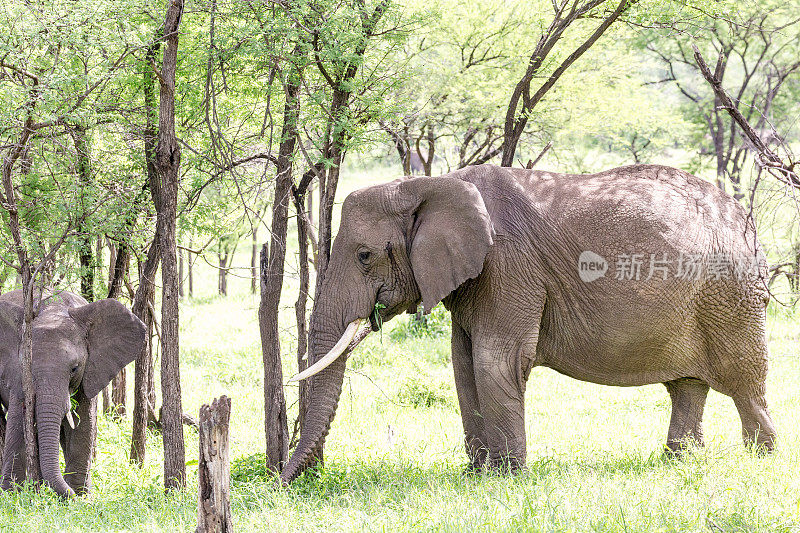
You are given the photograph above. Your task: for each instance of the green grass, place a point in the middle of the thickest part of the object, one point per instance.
(394, 457)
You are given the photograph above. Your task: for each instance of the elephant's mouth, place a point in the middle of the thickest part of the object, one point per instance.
(382, 314)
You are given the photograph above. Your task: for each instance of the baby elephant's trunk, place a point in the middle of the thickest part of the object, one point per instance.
(48, 422)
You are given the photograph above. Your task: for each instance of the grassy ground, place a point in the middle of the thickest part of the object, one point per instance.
(394, 456)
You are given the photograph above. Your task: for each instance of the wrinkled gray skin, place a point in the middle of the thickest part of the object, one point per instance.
(77, 349)
(500, 248)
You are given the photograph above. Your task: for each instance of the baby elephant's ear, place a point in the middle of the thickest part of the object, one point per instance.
(115, 337)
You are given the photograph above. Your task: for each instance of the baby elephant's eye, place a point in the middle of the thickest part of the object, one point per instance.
(364, 256)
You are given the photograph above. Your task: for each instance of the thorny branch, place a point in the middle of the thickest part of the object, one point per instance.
(781, 170)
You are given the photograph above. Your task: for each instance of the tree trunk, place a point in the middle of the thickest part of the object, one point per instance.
(190, 264)
(254, 261)
(180, 274)
(168, 158)
(300, 306)
(32, 468)
(272, 266)
(143, 369)
(121, 260)
(112, 262)
(106, 400)
(794, 278)
(85, 256)
(222, 281)
(334, 153)
(9, 203)
(145, 292)
(213, 470)
(119, 390)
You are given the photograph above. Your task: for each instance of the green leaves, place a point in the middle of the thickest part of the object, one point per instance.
(377, 316)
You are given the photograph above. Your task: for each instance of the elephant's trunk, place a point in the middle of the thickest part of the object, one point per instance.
(49, 415)
(324, 392)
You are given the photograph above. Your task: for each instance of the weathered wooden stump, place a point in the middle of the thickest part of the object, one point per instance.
(214, 475)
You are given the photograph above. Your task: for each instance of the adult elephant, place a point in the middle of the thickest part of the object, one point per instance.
(638, 275)
(77, 348)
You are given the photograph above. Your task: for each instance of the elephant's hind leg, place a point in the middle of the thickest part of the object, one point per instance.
(757, 427)
(688, 397)
(737, 351)
(474, 436)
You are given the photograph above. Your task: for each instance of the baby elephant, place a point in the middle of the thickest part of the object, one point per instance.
(78, 347)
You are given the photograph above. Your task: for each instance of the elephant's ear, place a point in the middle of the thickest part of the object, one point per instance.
(115, 336)
(449, 232)
(11, 316)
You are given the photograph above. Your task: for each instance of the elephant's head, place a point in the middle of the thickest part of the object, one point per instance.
(73, 347)
(407, 241)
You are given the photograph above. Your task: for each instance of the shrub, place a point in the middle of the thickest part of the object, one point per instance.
(420, 393)
(436, 324)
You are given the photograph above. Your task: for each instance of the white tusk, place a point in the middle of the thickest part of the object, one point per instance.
(305, 357)
(331, 356)
(70, 421)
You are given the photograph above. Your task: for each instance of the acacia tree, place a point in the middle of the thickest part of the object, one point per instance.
(46, 196)
(455, 68)
(756, 52)
(165, 198)
(525, 97)
(315, 54)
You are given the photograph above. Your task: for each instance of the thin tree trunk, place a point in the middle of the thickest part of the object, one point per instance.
(119, 390)
(272, 267)
(27, 278)
(300, 305)
(143, 367)
(180, 273)
(254, 261)
(85, 255)
(112, 262)
(122, 254)
(32, 470)
(145, 292)
(334, 146)
(168, 158)
(190, 263)
(106, 400)
(119, 383)
(222, 273)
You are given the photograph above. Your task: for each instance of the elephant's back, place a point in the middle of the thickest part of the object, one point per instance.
(649, 200)
(49, 297)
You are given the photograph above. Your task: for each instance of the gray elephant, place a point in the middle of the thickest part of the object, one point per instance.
(638, 275)
(77, 348)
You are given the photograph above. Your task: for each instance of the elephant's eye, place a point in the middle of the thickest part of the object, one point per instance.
(74, 370)
(364, 256)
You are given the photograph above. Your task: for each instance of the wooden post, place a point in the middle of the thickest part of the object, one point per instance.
(214, 476)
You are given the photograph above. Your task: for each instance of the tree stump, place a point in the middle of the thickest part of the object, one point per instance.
(214, 476)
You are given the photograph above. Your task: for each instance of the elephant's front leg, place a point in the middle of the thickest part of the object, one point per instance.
(501, 394)
(474, 436)
(78, 444)
(14, 448)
